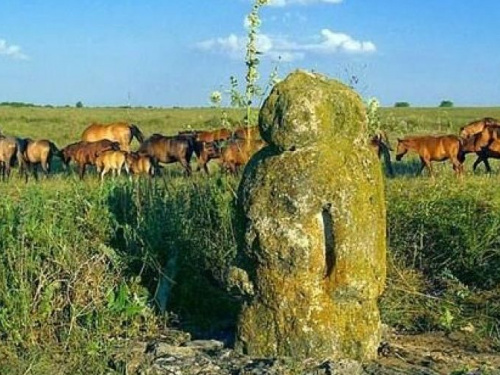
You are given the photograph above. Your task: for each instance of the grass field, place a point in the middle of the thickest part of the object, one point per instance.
(82, 262)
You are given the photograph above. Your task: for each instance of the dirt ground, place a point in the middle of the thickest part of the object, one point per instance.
(439, 353)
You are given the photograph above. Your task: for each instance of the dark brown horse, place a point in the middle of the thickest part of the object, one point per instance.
(120, 132)
(433, 148)
(380, 143)
(39, 153)
(478, 126)
(167, 150)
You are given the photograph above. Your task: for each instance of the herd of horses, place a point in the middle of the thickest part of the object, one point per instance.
(107, 147)
(480, 137)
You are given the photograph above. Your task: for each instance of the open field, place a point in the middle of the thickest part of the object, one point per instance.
(82, 263)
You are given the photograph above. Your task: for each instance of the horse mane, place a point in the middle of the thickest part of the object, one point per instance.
(136, 132)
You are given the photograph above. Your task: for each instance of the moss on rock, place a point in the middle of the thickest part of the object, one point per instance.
(312, 213)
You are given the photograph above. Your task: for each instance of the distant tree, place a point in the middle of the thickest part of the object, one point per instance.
(446, 104)
(79, 104)
(401, 104)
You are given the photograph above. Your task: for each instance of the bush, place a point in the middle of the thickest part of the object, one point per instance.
(446, 104)
(401, 104)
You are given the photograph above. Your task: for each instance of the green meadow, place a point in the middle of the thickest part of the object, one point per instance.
(86, 265)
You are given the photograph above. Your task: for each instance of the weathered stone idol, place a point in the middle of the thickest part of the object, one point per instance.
(312, 227)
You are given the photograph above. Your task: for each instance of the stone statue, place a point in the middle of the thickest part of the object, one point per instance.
(312, 227)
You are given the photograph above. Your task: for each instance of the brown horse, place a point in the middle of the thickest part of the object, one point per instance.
(169, 150)
(485, 144)
(478, 126)
(120, 132)
(140, 164)
(238, 152)
(87, 152)
(9, 151)
(244, 132)
(68, 152)
(433, 148)
(39, 153)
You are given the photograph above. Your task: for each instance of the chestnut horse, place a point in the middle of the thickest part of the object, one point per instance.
(433, 148)
(238, 152)
(86, 153)
(477, 126)
(120, 132)
(140, 163)
(213, 135)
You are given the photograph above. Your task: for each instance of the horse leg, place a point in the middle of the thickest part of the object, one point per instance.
(426, 163)
(422, 166)
(35, 171)
(457, 166)
(45, 167)
(487, 165)
(187, 167)
(477, 162)
(81, 170)
(7, 170)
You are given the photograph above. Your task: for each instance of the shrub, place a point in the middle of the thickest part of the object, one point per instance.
(401, 104)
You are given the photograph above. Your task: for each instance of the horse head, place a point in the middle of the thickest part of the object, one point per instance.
(401, 149)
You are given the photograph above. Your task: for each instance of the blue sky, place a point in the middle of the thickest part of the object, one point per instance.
(175, 53)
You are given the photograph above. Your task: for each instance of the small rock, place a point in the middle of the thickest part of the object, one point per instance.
(163, 349)
(205, 345)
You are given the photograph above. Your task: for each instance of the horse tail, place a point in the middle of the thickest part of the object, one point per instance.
(136, 132)
(384, 151)
(55, 151)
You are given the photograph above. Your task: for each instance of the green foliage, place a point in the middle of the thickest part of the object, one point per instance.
(16, 104)
(61, 283)
(401, 104)
(446, 104)
(444, 262)
(79, 104)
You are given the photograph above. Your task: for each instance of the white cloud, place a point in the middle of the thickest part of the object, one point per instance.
(333, 42)
(281, 47)
(282, 3)
(12, 51)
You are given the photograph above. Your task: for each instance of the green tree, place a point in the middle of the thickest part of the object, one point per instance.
(79, 104)
(401, 104)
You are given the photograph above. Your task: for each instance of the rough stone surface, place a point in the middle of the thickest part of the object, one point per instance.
(312, 227)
